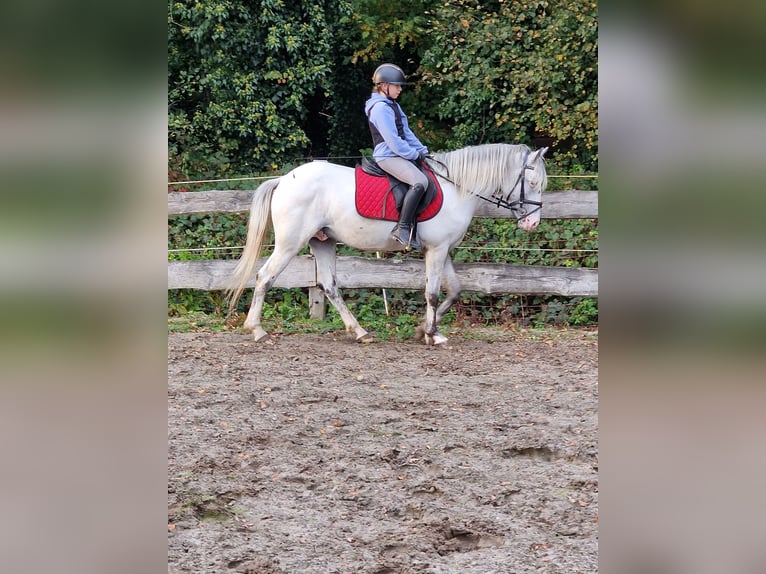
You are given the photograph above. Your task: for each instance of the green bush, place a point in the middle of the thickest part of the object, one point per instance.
(242, 77)
(206, 236)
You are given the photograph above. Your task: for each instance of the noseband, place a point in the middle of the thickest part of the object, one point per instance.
(518, 207)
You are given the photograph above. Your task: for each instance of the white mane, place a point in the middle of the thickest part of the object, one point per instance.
(488, 170)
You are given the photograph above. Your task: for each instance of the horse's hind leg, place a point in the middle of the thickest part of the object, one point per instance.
(324, 254)
(264, 279)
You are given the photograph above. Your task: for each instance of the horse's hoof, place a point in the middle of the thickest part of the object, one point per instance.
(259, 334)
(364, 337)
(435, 339)
(439, 339)
(420, 333)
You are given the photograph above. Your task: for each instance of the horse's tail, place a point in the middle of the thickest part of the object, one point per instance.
(260, 217)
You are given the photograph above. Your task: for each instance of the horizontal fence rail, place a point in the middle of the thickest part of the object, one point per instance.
(361, 272)
(556, 204)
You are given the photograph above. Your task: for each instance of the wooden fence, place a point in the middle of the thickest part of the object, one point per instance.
(360, 272)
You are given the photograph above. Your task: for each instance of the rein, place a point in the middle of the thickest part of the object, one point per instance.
(444, 175)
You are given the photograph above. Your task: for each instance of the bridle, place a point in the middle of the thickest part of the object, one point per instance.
(517, 207)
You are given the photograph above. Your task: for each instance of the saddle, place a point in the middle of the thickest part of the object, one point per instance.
(380, 195)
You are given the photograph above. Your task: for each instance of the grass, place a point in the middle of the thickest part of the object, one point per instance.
(384, 328)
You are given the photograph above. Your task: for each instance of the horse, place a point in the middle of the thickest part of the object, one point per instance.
(314, 204)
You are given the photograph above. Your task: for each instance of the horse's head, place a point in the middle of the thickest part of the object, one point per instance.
(533, 180)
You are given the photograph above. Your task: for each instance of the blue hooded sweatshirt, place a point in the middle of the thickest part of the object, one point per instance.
(381, 115)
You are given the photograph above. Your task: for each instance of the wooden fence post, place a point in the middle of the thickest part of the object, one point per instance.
(317, 303)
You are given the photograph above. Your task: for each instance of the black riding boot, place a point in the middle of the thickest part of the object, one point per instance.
(403, 231)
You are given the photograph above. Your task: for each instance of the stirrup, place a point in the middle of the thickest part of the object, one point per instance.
(396, 233)
(409, 240)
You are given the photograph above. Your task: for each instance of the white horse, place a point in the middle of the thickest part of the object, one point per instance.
(318, 198)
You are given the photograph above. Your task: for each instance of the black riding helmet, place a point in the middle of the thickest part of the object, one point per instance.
(389, 74)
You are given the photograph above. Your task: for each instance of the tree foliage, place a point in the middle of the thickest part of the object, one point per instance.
(242, 77)
(254, 85)
(390, 31)
(516, 71)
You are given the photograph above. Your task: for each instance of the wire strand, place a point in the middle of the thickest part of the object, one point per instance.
(217, 180)
(466, 248)
(573, 176)
(274, 176)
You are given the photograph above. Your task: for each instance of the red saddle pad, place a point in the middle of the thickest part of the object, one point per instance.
(374, 199)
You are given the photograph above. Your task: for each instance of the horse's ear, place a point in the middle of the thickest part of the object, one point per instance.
(539, 154)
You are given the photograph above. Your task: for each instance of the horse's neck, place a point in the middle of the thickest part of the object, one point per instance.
(470, 198)
(466, 200)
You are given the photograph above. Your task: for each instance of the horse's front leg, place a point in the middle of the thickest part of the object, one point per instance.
(451, 284)
(435, 265)
(431, 335)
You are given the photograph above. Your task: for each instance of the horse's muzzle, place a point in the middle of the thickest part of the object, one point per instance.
(529, 223)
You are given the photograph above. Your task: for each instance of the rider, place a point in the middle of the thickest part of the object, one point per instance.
(396, 147)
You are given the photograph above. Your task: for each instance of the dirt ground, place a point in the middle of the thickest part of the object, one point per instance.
(314, 454)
